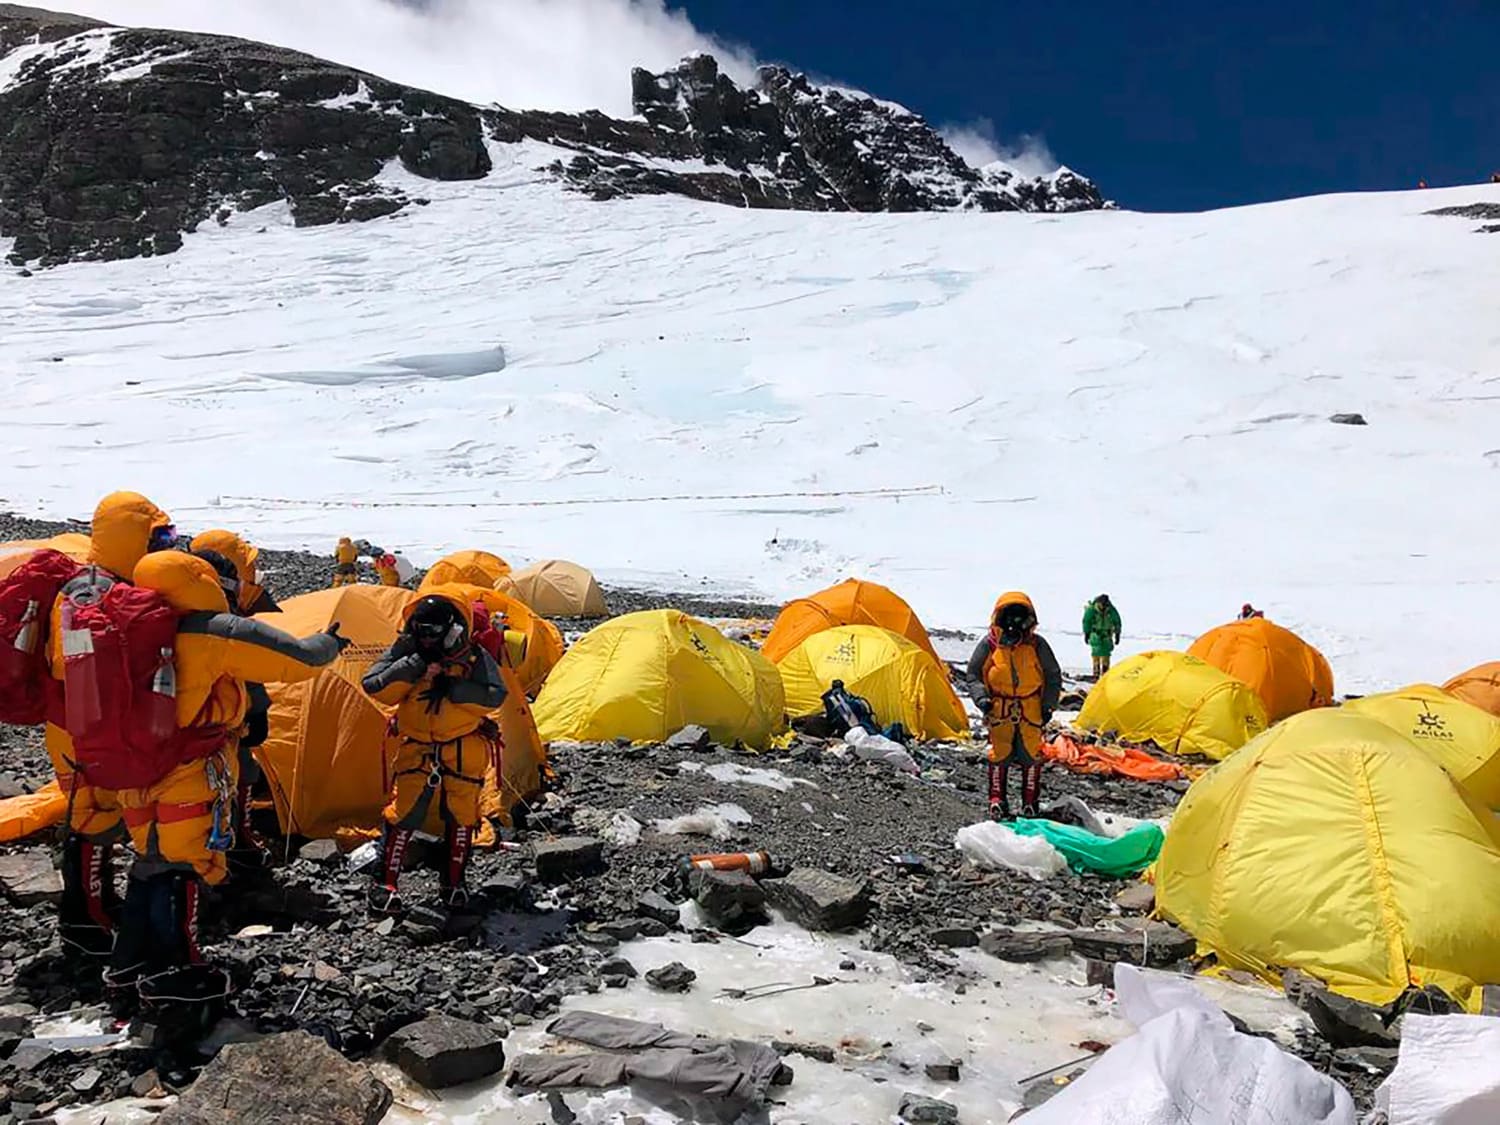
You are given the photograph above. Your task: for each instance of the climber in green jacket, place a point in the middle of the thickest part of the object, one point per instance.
(1101, 629)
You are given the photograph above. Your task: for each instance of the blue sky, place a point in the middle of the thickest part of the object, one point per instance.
(1169, 105)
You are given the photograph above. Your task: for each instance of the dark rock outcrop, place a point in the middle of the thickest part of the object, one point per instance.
(115, 142)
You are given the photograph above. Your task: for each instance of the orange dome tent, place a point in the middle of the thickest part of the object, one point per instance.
(851, 602)
(71, 543)
(326, 755)
(1288, 674)
(477, 568)
(1479, 686)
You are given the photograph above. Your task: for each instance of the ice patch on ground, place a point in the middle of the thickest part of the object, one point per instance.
(732, 773)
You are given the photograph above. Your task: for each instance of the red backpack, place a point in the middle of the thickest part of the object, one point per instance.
(27, 688)
(120, 689)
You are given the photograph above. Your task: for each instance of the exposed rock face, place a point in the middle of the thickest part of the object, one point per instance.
(115, 142)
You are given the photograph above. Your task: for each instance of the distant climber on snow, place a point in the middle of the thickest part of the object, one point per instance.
(1016, 684)
(345, 560)
(1247, 611)
(386, 570)
(1101, 629)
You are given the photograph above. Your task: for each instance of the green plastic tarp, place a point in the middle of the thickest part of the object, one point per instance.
(1130, 854)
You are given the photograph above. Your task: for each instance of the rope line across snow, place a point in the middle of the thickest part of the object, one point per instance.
(290, 502)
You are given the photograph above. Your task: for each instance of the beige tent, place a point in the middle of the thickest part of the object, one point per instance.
(556, 588)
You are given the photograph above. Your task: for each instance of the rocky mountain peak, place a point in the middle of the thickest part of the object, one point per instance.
(115, 142)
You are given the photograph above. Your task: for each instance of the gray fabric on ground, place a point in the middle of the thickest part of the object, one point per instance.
(735, 1071)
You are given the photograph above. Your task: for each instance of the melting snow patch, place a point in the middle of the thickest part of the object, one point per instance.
(882, 1025)
(732, 773)
(718, 821)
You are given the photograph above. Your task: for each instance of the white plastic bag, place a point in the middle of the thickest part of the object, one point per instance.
(878, 748)
(995, 847)
(1448, 1072)
(1188, 1066)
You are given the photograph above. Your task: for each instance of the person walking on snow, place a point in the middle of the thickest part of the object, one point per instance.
(444, 687)
(345, 563)
(1101, 629)
(1016, 685)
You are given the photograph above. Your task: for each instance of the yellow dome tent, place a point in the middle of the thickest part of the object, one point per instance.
(556, 588)
(70, 543)
(544, 641)
(1332, 845)
(476, 568)
(1176, 701)
(1288, 674)
(1479, 686)
(1462, 738)
(902, 683)
(851, 602)
(326, 758)
(647, 675)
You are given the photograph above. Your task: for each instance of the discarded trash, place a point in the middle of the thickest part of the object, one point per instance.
(255, 931)
(1445, 1073)
(1187, 1064)
(756, 863)
(718, 821)
(877, 748)
(1131, 854)
(995, 847)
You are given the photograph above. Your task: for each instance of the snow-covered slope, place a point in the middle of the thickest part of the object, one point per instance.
(953, 404)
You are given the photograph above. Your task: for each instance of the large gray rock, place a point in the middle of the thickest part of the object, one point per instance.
(1012, 945)
(287, 1079)
(28, 878)
(1155, 945)
(731, 900)
(1345, 1022)
(689, 738)
(659, 907)
(819, 900)
(570, 856)
(672, 977)
(918, 1109)
(441, 1051)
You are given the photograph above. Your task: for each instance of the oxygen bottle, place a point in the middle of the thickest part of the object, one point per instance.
(755, 863)
(84, 707)
(16, 657)
(161, 721)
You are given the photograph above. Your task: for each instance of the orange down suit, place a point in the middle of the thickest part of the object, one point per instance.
(1021, 683)
(121, 535)
(217, 652)
(441, 751)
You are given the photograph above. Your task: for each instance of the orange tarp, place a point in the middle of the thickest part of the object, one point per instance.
(1126, 761)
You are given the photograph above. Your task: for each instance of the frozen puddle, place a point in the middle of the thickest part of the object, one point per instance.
(732, 773)
(1013, 1021)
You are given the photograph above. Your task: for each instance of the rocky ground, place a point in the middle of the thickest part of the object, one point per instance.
(588, 870)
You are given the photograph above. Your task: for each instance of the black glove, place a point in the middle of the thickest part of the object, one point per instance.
(437, 692)
(342, 641)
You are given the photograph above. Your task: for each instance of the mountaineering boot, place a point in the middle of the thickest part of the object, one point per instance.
(1031, 789)
(86, 920)
(454, 892)
(251, 849)
(385, 897)
(999, 801)
(135, 948)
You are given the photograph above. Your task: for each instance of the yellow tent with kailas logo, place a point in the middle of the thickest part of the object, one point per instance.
(1333, 845)
(1461, 738)
(902, 682)
(647, 675)
(1178, 702)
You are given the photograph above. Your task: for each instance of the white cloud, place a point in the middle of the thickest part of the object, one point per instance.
(977, 142)
(526, 54)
